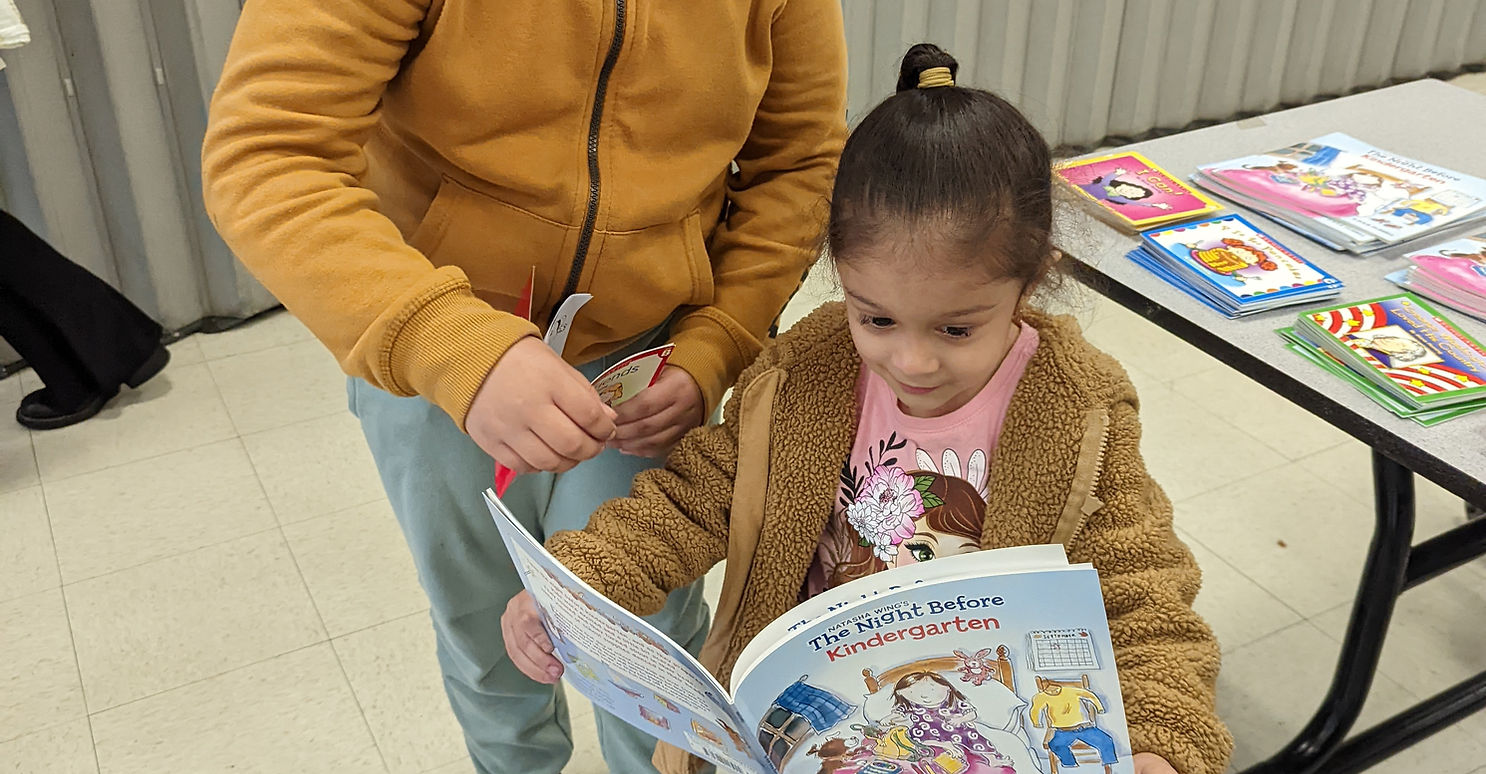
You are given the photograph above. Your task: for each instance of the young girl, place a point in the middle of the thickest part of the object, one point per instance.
(940, 232)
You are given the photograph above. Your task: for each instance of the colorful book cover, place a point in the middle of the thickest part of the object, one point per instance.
(1382, 194)
(1241, 261)
(1460, 263)
(1427, 417)
(1135, 190)
(1407, 345)
(991, 662)
(625, 379)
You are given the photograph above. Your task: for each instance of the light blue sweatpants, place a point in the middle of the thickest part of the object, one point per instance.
(434, 475)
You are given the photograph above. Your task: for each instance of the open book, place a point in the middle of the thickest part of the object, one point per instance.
(995, 662)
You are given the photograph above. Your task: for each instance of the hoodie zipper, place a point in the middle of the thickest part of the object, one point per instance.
(585, 236)
(1082, 502)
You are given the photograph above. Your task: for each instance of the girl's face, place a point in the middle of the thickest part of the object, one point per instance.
(935, 332)
(925, 693)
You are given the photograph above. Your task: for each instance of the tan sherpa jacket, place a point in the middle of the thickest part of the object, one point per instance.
(758, 490)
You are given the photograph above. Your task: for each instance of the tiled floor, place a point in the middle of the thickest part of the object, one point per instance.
(208, 577)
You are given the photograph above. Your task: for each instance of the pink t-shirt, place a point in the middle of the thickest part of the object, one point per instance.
(914, 488)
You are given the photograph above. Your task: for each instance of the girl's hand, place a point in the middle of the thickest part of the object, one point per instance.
(1151, 763)
(527, 643)
(651, 423)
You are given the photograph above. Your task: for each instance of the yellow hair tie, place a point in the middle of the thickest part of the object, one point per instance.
(934, 77)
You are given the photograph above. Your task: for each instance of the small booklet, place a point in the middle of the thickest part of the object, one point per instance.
(1347, 194)
(1232, 267)
(1452, 273)
(1132, 192)
(1400, 352)
(994, 662)
(625, 379)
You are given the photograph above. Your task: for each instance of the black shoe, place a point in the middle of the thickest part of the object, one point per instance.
(37, 413)
(152, 365)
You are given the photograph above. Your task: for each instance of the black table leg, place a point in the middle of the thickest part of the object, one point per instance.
(1382, 582)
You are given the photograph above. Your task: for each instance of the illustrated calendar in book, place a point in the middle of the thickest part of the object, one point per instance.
(1347, 194)
(982, 663)
(1400, 352)
(1132, 192)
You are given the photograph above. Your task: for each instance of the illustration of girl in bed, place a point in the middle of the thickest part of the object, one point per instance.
(930, 712)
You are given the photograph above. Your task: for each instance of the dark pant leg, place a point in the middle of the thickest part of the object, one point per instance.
(95, 326)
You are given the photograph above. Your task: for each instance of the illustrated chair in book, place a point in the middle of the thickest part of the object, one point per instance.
(1083, 753)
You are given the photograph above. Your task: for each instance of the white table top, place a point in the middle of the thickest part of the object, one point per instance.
(1428, 120)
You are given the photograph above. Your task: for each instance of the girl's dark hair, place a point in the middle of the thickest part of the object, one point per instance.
(960, 165)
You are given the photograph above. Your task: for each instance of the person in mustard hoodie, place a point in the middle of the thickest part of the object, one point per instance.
(397, 171)
(940, 230)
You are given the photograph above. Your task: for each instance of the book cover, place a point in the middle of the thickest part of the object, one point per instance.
(991, 662)
(1403, 344)
(1232, 256)
(1134, 190)
(1358, 187)
(625, 379)
(971, 675)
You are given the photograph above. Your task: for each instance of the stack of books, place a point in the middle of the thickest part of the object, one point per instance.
(1232, 267)
(1349, 195)
(1400, 353)
(1130, 192)
(1452, 273)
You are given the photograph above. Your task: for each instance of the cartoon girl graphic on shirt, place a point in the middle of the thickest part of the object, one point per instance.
(897, 517)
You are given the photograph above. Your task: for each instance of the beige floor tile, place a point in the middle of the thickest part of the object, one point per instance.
(462, 766)
(28, 563)
(1136, 341)
(1190, 451)
(186, 351)
(1291, 532)
(1435, 639)
(1349, 467)
(819, 287)
(125, 516)
(395, 674)
(1474, 81)
(357, 567)
(273, 328)
(173, 621)
(1290, 430)
(280, 386)
(64, 749)
(1268, 689)
(28, 381)
(179, 409)
(1239, 610)
(39, 685)
(587, 757)
(292, 713)
(17, 460)
(314, 468)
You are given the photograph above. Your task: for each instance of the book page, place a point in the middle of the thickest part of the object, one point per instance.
(623, 664)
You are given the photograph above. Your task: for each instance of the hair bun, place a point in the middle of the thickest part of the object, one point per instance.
(921, 57)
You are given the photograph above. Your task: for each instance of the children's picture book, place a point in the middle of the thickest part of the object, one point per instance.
(1348, 194)
(1402, 347)
(625, 379)
(1233, 267)
(1452, 273)
(1137, 193)
(993, 662)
